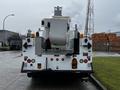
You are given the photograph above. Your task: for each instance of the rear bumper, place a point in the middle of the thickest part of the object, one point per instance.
(56, 71)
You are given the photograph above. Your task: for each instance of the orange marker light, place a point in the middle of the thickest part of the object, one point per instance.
(74, 63)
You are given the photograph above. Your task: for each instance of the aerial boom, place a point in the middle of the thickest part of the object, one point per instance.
(89, 24)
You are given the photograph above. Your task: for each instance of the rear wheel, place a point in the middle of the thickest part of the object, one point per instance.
(32, 75)
(29, 75)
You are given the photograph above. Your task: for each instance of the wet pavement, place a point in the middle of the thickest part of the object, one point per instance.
(106, 54)
(12, 79)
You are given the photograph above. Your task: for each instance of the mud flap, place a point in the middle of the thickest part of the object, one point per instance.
(22, 67)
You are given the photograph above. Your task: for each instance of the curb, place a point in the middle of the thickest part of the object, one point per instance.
(97, 83)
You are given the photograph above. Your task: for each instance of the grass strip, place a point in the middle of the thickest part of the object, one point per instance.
(107, 71)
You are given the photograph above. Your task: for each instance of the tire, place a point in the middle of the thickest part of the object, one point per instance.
(29, 75)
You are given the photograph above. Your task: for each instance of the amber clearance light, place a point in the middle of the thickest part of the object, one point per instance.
(74, 63)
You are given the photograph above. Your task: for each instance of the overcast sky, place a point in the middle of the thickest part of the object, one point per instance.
(29, 13)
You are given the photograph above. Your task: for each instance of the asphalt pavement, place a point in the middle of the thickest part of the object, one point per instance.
(12, 79)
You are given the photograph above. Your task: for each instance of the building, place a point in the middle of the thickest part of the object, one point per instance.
(4, 35)
(118, 33)
(15, 42)
(109, 42)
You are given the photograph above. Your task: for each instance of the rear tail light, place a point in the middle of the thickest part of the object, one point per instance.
(85, 61)
(29, 61)
(39, 66)
(74, 63)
